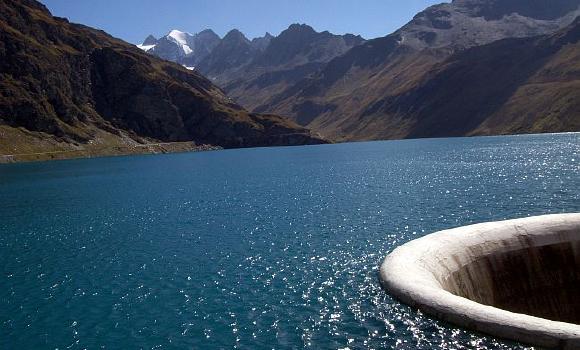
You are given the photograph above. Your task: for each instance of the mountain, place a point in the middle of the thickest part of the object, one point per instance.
(344, 100)
(180, 47)
(467, 23)
(512, 86)
(149, 41)
(252, 71)
(66, 87)
(233, 51)
(204, 43)
(298, 46)
(290, 57)
(262, 43)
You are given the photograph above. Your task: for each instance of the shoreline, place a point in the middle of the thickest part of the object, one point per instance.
(111, 151)
(189, 146)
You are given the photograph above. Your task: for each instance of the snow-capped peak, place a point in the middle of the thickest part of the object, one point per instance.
(180, 38)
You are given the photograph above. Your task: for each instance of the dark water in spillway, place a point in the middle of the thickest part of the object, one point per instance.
(253, 249)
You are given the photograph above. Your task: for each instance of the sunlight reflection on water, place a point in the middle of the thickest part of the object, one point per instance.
(254, 249)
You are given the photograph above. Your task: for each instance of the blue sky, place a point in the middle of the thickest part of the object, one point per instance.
(133, 20)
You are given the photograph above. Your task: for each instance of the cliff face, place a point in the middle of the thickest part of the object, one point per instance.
(66, 86)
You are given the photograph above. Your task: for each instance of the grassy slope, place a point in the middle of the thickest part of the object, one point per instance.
(508, 87)
(527, 85)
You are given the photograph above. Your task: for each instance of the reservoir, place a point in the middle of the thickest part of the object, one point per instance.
(254, 248)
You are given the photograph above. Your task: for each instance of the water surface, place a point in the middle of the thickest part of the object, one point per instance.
(253, 249)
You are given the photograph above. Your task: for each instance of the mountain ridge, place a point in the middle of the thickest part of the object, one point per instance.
(342, 99)
(252, 70)
(182, 47)
(291, 56)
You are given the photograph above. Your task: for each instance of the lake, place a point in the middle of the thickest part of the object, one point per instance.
(255, 248)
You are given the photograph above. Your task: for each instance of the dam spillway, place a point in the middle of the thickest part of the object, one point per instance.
(515, 279)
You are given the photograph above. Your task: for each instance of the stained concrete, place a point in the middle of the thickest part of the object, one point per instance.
(515, 279)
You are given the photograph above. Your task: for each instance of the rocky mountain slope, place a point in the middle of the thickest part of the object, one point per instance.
(253, 71)
(261, 43)
(290, 57)
(355, 96)
(67, 87)
(233, 51)
(512, 86)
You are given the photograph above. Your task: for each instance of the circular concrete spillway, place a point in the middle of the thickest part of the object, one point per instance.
(515, 279)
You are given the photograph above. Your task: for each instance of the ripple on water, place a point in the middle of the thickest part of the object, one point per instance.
(253, 249)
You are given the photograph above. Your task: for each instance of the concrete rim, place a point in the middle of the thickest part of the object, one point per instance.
(413, 271)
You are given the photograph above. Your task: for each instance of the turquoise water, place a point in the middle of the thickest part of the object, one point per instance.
(253, 249)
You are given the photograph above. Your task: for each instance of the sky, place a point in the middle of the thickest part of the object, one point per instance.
(133, 20)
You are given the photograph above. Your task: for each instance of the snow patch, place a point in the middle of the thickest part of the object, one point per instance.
(146, 47)
(180, 38)
(187, 49)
